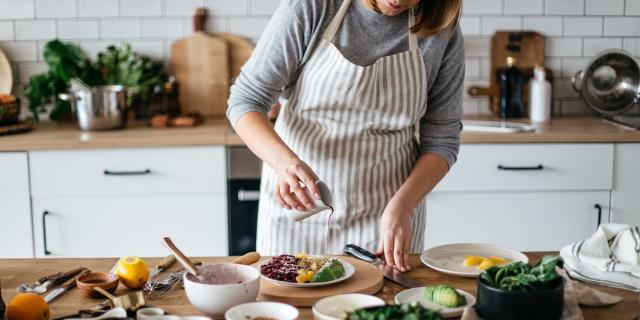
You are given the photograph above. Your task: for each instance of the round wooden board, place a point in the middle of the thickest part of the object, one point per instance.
(367, 279)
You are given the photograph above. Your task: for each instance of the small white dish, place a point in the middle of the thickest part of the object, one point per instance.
(448, 258)
(146, 313)
(324, 203)
(336, 307)
(113, 313)
(164, 317)
(418, 295)
(195, 318)
(253, 310)
(349, 270)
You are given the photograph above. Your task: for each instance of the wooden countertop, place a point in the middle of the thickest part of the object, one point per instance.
(15, 272)
(217, 131)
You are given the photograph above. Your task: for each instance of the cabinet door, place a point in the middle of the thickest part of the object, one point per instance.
(625, 198)
(15, 208)
(118, 226)
(545, 221)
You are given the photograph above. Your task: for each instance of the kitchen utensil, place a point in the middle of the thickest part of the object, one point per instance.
(6, 75)
(448, 258)
(494, 303)
(131, 301)
(390, 272)
(42, 285)
(146, 313)
(418, 295)
(184, 261)
(610, 84)
(349, 270)
(226, 285)
(367, 279)
(165, 264)
(529, 52)
(162, 287)
(262, 310)
(105, 281)
(200, 63)
(324, 203)
(67, 285)
(336, 307)
(116, 313)
(100, 107)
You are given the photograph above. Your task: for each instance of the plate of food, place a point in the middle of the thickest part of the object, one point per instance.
(303, 271)
(469, 259)
(447, 300)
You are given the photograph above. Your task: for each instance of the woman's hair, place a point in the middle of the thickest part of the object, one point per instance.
(434, 16)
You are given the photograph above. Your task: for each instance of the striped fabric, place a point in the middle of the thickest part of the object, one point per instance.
(354, 126)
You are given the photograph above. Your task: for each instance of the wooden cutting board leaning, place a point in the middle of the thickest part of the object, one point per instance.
(205, 66)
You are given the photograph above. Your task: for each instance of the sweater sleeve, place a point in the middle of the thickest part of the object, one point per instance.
(273, 64)
(441, 124)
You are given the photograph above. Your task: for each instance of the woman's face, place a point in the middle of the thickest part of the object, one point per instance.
(394, 7)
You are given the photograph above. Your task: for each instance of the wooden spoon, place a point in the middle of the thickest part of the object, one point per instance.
(247, 259)
(184, 261)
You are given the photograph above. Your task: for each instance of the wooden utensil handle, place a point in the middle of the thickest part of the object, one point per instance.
(105, 293)
(247, 259)
(72, 282)
(199, 18)
(480, 91)
(167, 262)
(186, 263)
(63, 276)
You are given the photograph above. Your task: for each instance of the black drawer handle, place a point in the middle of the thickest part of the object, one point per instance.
(44, 233)
(508, 168)
(599, 208)
(126, 173)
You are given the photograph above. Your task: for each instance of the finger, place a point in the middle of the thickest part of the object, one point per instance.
(281, 201)
(408, 239)
(398, 252)
(388, 249)
(380, 251)
(289, 198)
(300, 193)
(309, 181)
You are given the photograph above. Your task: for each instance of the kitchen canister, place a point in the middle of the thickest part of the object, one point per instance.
(539, 96)
(323, 204)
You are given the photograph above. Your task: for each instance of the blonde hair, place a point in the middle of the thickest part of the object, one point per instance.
(433, 16)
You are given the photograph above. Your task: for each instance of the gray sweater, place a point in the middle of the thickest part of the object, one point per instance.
(364, 36)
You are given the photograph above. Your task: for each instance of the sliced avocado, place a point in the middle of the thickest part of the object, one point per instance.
(332, 269)
(445, 295)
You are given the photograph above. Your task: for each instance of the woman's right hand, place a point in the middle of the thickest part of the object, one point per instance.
(289, 193)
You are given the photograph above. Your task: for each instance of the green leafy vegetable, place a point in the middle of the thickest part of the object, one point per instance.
(411, 311)
(519, 276)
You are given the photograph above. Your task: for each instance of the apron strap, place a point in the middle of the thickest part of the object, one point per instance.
(413, 38)
(336, 21)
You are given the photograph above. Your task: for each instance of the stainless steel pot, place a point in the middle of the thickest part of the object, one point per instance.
(100, 107)
(610, 85)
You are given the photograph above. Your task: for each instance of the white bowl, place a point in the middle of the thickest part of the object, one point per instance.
(336, 307)
(228, 285)
(252, 310)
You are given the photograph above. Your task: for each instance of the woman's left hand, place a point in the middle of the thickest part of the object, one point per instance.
(396, 235)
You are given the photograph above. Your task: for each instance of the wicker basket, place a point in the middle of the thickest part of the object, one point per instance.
(9, 112)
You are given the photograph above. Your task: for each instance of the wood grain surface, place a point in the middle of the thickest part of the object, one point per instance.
(15, 272)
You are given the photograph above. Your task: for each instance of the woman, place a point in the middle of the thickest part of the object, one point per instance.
(358, 77)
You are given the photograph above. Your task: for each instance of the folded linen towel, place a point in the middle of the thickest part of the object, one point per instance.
(610, 257)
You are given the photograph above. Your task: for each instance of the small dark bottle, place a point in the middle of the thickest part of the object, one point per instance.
(511, 84)
(2, 305)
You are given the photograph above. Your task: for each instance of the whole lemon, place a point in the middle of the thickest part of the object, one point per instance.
(133, 272)
(27, 306)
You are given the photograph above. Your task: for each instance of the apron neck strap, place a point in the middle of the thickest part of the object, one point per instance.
(413, 38)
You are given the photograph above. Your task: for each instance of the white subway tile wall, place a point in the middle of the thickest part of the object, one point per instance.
(575, 31)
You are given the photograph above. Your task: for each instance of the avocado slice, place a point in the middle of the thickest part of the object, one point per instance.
(445, 295)
(331, 270)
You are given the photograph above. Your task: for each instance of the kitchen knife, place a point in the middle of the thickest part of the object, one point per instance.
(389, 272)
(165, 264)
(56, 279)
(69, 284)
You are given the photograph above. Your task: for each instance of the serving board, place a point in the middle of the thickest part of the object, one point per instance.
(367, 279)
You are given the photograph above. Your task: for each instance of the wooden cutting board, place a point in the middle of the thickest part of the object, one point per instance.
(200, 63)
(240, 50)
(367, 279)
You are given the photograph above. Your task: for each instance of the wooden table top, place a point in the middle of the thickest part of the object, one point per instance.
(15, 272)
(217, 131)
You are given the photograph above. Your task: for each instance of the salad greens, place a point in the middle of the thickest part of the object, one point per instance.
(410, 311)
(519, 276)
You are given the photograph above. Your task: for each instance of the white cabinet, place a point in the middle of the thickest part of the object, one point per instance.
(15, 218)
(543, 221)
(625, 198)
(115, 202)
(118, 226)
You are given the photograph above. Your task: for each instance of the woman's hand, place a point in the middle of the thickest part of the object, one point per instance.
(396, 235)
(289, 192)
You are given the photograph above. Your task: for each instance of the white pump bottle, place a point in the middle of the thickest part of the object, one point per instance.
(539, 96)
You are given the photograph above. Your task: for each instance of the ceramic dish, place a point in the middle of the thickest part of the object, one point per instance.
(6, 75)
(418, 295)
(336, 307)
(448, 258)
(253, 310)
(87, 283)
(349, 270)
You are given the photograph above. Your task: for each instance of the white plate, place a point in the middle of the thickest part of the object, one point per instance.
(448, 258)
(336, 307)
(418, 295)
(349, 270)
(6, 76)
(274, 310)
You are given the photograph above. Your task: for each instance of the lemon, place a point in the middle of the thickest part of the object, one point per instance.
(133, 272)
(485, 264)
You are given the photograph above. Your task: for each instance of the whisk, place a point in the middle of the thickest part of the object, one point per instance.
(157, 287)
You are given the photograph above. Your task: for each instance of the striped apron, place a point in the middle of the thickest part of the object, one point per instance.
(355, 127)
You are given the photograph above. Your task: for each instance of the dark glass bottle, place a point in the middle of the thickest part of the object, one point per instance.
(2, 305)
(511, 84)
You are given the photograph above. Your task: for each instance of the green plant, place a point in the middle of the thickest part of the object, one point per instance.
(519, 276)
(411, 311)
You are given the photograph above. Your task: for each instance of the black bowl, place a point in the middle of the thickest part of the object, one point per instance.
(497, 304)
